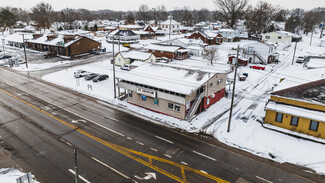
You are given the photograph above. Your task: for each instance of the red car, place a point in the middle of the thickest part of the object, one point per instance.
(257, 67)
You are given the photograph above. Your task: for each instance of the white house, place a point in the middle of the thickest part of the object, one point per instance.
(229, 34)
(174, 26)
(260, 52)
(125, 37)
(123, 58)
(277, 37)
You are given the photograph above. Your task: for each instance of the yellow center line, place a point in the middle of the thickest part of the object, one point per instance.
(125, 151)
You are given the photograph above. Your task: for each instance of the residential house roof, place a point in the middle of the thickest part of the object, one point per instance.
(172, 22)
(172, 78)
(136, 55)
(310, 92)
(162, 48)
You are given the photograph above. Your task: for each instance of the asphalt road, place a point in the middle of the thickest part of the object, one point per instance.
(41, 124)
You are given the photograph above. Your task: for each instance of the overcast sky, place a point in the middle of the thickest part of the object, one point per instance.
(125, 5)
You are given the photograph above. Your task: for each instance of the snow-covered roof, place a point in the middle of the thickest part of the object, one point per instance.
(136, 55)
(296, 111)
(122, 33)
(315, 63)
(141, 32)
(162, 76)
(172, 22)
(18, 38)
(131, 26)
(162, 48)
(60, 38)
(309, 92)
(227, 30)
(195, 48)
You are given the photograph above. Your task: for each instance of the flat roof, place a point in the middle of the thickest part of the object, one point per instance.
(163, 76)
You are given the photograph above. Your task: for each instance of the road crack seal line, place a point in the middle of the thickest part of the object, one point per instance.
(127, 152)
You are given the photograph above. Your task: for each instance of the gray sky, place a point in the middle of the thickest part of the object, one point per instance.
(124, 5)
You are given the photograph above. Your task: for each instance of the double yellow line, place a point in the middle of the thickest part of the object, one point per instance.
(127, 152)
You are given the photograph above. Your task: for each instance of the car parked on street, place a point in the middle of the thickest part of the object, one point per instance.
(94, 51)
(80, 73)
(126, 67)
(300, 59)
(257, 67)
(90, 76)
(5, 57)
(100, 78)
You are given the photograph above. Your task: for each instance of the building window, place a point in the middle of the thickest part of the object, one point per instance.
(313, 125)
(130, 93)
(143, 98)
(267, 37)
(211, 84)
(279, 117)
(279, 37)
(156, 101)
(294, 121)
(170, 105)
(177, 107)
(219, 81)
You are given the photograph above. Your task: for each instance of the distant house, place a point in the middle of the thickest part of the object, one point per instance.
(195, 47)
(157, 31)
(173, 25)
(125, 37)
(171, 52)
(65, 45)
(260, 52)
(277, 37)
(300, 109)
(130, 27)
(207, 37)
(171, 90)
(129, 57)
(229, 35)
(27, 29)
(109, 29)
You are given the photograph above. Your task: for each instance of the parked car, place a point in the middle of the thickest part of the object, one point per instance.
(103, 50)
(257, 67)
(300, 59)
(245, 74)
(242, 78)
(5, 57)
(126, 67)
(94, 51)
(100, 78)
(80, 73)
(91, 76)
(49, 55)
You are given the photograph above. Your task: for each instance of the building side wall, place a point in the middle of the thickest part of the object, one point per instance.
(169, 55)
(298, 103)
(84, 45)
(303, 124)
(119, 60)
(162, 107)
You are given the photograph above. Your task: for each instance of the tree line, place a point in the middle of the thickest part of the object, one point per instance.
(258, 18)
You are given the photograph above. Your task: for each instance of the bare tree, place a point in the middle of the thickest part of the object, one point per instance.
(143, 13)
(159, 14)
(231, 9)
(294, 21)
(129, 17)
(310, 19)
(211, 53)
(41, 14)
(258, 19)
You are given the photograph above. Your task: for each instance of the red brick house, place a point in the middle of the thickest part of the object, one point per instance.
(171, 52)
(207, 37)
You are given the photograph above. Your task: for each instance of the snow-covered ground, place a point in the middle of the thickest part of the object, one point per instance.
(9, 175)
(246, 131)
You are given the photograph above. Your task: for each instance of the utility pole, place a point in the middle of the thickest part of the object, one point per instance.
(233, 91)
(321, 34)
(294, 53)
(119, 38)
(170, 24)
(75, 166)
(114, 69)
(3, 46)
(312, 34)
(24, 43)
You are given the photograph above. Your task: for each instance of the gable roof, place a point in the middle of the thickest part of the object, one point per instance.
(310, 92)
(136, 55)
(162, 48)
(167, 22)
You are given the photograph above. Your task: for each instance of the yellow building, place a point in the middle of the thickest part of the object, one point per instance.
(300, 109)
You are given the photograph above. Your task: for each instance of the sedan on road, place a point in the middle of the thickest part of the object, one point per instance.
(80, 73)
(100, 78)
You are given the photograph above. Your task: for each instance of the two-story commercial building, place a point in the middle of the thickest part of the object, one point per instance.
(300, 109)
(173, 90)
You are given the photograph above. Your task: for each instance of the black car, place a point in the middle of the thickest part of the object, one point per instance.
(100, 78)
(5, 57)
(90, 76)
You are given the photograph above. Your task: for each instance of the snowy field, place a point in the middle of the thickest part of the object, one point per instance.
(246, 132)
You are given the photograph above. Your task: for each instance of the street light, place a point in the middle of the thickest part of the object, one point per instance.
(170, 24)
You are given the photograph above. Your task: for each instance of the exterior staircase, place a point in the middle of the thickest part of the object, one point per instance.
(260, 57)
(194, 107)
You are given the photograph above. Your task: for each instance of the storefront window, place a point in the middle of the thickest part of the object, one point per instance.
(156, 101)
